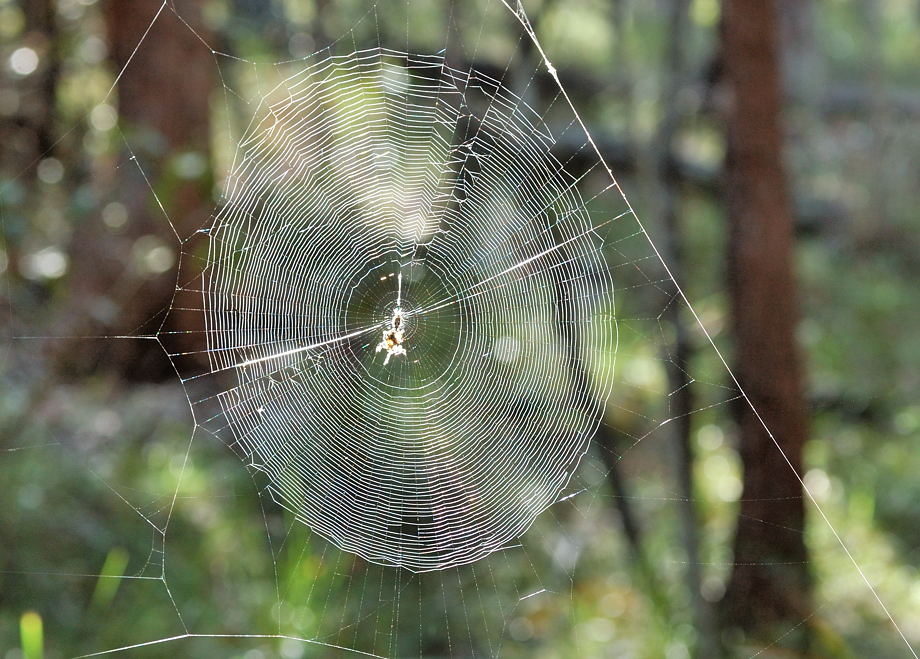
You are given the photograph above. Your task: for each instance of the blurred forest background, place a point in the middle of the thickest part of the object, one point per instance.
(769, 145)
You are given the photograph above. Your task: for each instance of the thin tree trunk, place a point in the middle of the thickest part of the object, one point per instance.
(681, 351)
(163, 100)
(28, 134)
(768, 592)
(607, 440)
(320, 34)
(41, 19)
(454, 55)
(868, 224)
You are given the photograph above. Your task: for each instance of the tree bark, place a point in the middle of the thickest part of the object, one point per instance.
(164, 112)
(768, 592)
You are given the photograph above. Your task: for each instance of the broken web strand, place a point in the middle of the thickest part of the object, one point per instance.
(518, 11)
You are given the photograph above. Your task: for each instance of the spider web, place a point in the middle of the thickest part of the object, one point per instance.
(388, 181)
(443, 501)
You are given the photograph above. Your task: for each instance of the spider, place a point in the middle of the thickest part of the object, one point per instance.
(393, 337)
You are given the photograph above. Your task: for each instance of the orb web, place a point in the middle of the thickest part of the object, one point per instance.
(382, 183)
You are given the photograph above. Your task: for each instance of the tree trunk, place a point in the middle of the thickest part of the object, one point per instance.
(28, 132)
(41, 24)
(164, 109)
(680, 352)
(768, 592)
(320, 34)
